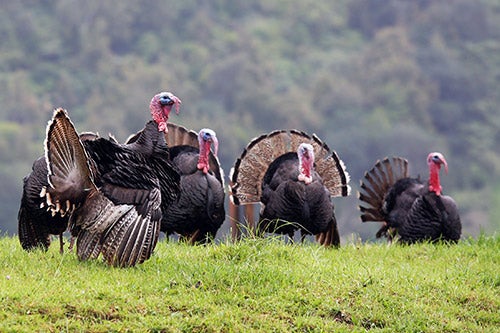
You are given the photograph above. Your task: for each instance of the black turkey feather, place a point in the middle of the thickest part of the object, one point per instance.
(35, 223)
(410, 209)
(293, 176)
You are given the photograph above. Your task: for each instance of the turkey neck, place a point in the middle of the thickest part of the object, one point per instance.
(434, 184)
(305, 166)
(203, 159)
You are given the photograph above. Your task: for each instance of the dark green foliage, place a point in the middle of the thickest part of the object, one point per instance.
(372, 78)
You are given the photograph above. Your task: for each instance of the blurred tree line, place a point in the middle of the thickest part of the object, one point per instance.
(372, 78)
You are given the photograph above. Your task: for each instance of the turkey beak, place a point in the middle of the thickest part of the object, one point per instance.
(166, 101)
(169, 102)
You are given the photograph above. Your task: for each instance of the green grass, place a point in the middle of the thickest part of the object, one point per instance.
(257, 285)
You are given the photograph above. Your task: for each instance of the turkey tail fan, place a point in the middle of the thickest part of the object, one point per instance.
(69, 174)
(249, 169)
(130, 240)
(331, 237)
(178, 135)
(331, 169)
(376, 183)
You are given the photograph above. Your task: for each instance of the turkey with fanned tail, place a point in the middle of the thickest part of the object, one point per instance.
(114, 193)
(409, 208)
(35, 222)
(294, 177)
(198, 212)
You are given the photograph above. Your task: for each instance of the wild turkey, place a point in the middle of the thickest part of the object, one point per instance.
(35, 222)
(409, 208)
(199, 211)
(293, 175)
(114, 193)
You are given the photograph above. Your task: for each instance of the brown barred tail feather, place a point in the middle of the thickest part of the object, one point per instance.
(179, 135)
(69, 174)
(249, 169)
(376, 183)
(331, 168)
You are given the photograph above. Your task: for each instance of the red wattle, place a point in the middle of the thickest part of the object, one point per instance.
(434, 183)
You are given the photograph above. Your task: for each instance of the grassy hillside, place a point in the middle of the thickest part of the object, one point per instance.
(257, 285)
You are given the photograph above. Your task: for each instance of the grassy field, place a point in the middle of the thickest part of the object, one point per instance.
(257, 285)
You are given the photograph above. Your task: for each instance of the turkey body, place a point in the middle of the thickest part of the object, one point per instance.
(419, 214)
(289, 204)
(113, 192)
(199, 211)
(409, 208)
